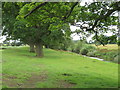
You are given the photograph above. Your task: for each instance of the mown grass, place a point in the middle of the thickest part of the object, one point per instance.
(60, 67)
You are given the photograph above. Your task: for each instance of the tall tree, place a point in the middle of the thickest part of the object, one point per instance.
(10, 10)
(49, 24)
(46, 20)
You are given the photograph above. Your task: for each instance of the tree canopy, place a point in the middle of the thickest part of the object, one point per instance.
(48, 23)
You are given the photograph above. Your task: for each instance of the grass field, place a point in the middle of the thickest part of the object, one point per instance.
(108, 47)
(58, 69)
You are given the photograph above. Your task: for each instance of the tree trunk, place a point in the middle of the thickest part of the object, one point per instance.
(46, 46)
(32, 48)
(103, 44)
(39, 50)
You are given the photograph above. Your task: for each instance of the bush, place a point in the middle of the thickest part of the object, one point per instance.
(116, 59)
(92, 53)
(78, 47)
(84, 51)
(109, 56)
(71, 47)
(90, 48)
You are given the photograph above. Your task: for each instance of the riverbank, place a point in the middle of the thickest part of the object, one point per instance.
(107, 53)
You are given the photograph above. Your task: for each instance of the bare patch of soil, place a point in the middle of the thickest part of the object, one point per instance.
(65, 84)
(31, 82)
(11, 81)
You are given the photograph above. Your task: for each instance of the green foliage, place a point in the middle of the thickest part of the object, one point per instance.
(90, 48)
(116, 59)
(118, 42)
(84, 51)
(62, 45)
(9, 12)
(104, 40)
(23, 32)
(48, 28)
(97, 43)
(107, 56)
(83, 48)
(79, 46)
(112, 39)
(94, 12)
(92, 53)
(76, 46)
(4, 86)
(71, 46)
(46, 25)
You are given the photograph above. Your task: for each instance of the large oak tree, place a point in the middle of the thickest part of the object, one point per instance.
(45, 22)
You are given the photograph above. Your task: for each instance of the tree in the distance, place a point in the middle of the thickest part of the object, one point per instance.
(10, 10)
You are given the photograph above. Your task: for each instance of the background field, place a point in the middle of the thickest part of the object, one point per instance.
(108, 47)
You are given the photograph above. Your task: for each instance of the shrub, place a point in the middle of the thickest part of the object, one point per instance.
(78, 47)
(18, 44)
(109, 56)
(90, 48)
(12, 44)
(116, 59)
(83, 51)
(118, 42)
(92, 53)
(72, 48)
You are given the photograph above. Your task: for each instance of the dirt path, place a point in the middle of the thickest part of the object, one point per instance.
(65, 84)
(31, 82)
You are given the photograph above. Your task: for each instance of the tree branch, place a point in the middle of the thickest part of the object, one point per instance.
(116, 8)
(69, 13)
(65, 17)
(35, 9)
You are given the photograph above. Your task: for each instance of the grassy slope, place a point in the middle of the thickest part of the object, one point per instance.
(82, 72)
(0, 70)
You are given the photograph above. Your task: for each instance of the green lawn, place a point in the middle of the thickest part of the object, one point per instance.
(58, 69)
